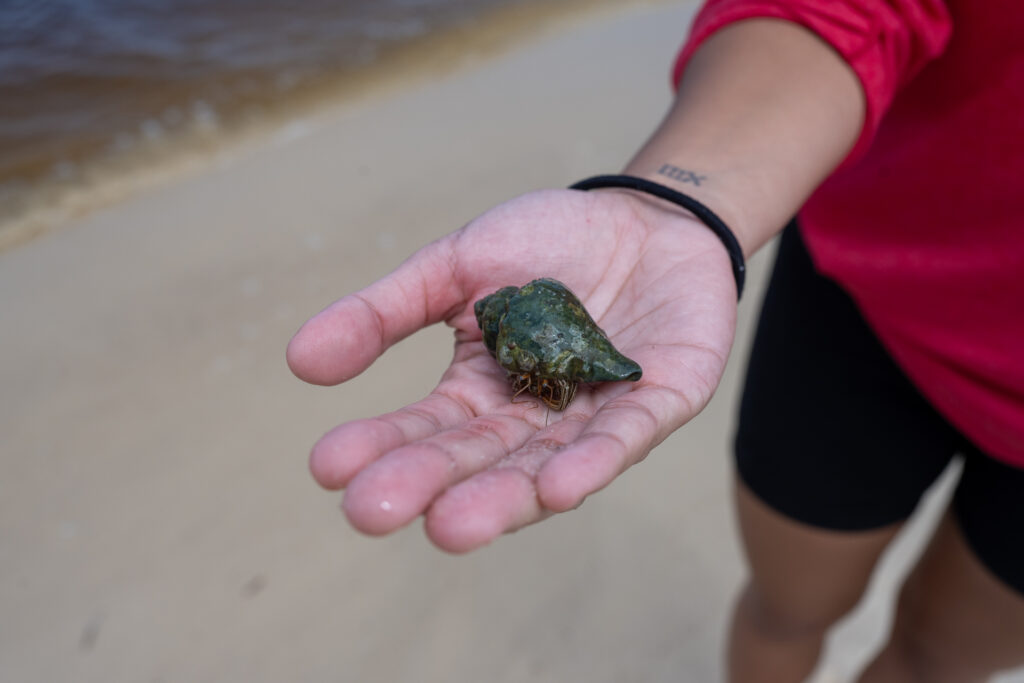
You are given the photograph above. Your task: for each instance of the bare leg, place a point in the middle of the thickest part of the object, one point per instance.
(955, 620)
(802, 581)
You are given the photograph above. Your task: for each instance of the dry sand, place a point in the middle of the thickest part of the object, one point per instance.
(158, 522)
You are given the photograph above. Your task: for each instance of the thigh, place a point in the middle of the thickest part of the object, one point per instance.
(961, 610)
(803, 578)
(831, 433)
(956, 620)
(834, 448)
(988, 507)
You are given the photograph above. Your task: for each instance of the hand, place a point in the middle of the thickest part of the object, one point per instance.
(478, 465)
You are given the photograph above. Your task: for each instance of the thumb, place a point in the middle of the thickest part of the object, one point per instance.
(345, 338)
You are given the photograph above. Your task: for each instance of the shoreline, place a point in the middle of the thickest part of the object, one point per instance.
(104, 182)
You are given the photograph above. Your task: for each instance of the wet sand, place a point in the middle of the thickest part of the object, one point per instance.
(158, 522)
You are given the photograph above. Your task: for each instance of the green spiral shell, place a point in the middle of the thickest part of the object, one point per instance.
(543, 330)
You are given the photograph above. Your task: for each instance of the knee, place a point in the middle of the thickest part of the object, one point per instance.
(918, 645)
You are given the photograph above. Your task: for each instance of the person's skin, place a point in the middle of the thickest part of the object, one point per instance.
(656, 280)
(758, 135)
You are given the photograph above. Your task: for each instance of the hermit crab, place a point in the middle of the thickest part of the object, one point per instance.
(547, 342)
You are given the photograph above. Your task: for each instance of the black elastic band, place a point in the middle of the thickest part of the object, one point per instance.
(706, 215)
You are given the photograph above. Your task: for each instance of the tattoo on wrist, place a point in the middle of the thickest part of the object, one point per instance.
(681, 174)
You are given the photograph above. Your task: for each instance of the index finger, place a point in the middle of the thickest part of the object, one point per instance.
(346, 337)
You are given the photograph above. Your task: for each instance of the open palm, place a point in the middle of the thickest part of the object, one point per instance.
(477, 464)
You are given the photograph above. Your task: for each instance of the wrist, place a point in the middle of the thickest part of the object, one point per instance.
(699, 211)
(717, 189)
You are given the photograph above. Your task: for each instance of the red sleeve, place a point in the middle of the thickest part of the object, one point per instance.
(886, 42)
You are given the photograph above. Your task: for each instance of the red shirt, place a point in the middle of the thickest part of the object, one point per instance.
(923, 224)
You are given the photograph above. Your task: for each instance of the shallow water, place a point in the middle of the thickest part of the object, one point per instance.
(82, 80)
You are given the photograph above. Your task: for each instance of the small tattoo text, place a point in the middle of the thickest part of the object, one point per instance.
(681, 174)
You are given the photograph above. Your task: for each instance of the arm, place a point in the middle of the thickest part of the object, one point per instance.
(765, 111)
(761, 132)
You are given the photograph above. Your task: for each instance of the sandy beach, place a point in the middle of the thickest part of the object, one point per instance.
(158, 520)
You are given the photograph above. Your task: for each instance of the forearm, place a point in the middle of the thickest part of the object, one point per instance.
(765, 111)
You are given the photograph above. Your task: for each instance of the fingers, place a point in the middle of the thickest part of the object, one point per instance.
(345, 450)
(499, 473)
(396, 488)
(553, 472)
(619, 435)
(342, 340)
(474, 512)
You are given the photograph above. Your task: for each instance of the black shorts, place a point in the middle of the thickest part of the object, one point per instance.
(833, 434)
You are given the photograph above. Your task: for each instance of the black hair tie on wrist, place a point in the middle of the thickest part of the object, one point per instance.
(706, 215)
